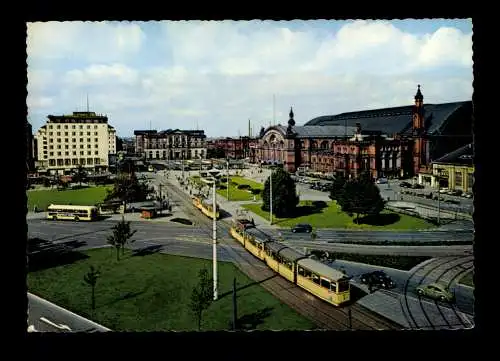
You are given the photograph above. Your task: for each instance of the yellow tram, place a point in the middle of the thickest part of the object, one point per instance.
(206, 207)
(316, 278)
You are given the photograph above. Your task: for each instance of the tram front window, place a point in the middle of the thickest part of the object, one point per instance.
(343, 286)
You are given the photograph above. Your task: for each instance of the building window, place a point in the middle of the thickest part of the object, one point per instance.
(66, 140)
(74, 146)
(66, 146)
(90, 161)
(58, 153)
(67, 162)
(51, 153)
(458, 179)
(50, 126)
(50, 147)
(97, 161)
(73, 126)
(88, 126)
(59, 146)
(51, 140)
(81, 140)
(58, 126)
(73, 133)
(82, 161)
(81, 146)
(89, 152)
(96, 139)
(81, 133)
(82, 152)
(50, 133)
(58, 134)
(95, 126)
(60, 162)
(74, 161)
(73, 140)
(470, 181)
(95, 133)
(74, 153)
(65, 127)
(89, 145)
(97, 146)
(88, 140)
(81, 127)
(65, 134)
(52, 162)
(96, 152)
(66, 153)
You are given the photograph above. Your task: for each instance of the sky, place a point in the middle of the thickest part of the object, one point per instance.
(217, 76)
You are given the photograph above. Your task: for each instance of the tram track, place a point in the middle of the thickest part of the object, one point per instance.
(450, 263)
(324, 315)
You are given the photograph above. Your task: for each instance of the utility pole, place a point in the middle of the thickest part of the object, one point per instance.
(271, 198)
(439, 198)
(183, 166)
(235, 310)
(214, 210)
(227, 179)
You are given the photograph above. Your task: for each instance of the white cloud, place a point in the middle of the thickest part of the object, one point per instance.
(97, 41)
(222, 74)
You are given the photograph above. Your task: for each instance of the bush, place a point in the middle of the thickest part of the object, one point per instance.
(255, 191)
(234, 184)
(244, 186)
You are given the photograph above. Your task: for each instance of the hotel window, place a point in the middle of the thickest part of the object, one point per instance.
(66, 140)
(50, 133)
(89, 153)
(82, 161)
(74, 146)
(59, 146)
(95, 133)
(58, 134)
(88, 140)
(50, 126)
(58, 153)
(458, 179)
(96, 139)
(66, 153)
(81, 146)
(73, 133)
(66, 146)
(52, 162)
(51, 140)
(73, 140)
(89, 145)
(65, 134)
(58, 127)
(97, 146)
(58, 140)
(81, 140)
(96, 152)
(51, 147)
(97, 161)
(88, 134)
(65, 127)
(74, 161)
(73, 127)
(74, 153)
(67, 162)
(88, 126)
(51, 153)
(90, 161)
(95, 126)
(81, 126)
(470, 180)
(82, 152)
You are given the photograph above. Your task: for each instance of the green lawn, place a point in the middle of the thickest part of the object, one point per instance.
(84, 196)
(236, 194)
(468, 279)
(330, 216)
(152, 293)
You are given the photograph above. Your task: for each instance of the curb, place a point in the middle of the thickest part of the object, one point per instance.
(59, 308)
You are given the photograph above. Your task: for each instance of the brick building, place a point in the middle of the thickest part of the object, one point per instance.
(235, 148)
(170, 144)
(390, 142)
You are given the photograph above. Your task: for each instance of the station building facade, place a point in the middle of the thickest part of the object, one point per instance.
(391, 142)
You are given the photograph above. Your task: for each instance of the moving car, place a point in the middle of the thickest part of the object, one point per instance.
(435, 291)
(405, 184)
(377, 278)
(302, 227)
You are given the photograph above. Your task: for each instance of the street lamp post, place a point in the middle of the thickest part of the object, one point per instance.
(271, 198)
(439, 196)
(227, 180)
(214, 238)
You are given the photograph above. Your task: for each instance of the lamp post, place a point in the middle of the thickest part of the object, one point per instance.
(214, 234)
(271, 187)
(227, 179)
(439, 196)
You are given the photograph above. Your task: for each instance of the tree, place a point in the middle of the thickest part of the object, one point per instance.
(337, 187)
(361, 196)
(285, 197)
(91, 278)
(127, 188)
(80, 174)
(121, 236)
(202, 296)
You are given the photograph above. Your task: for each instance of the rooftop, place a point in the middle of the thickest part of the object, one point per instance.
(461, 156)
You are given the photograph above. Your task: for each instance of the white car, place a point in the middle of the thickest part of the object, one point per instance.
(382, 181)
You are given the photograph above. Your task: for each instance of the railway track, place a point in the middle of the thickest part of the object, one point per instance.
(445, 270)
(324, 315)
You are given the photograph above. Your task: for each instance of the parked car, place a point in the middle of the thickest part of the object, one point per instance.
(435, 291)
(417, 186)
(377, 278)
(382, 181)
(302, 227)
(467, 195)
(405, 184)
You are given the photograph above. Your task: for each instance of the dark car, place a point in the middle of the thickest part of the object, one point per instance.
(302, 227)
(405, 185)
(377, 278)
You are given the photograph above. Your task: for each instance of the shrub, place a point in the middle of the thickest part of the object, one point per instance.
(244, 186)
(256, 191)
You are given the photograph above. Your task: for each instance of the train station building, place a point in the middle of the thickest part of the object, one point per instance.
(391, 142)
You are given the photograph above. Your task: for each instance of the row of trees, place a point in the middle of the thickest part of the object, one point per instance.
(356, 196)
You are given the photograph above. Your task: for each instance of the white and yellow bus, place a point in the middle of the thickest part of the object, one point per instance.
(72, 212)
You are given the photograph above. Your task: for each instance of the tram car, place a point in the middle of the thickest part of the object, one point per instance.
(316, 278)
(206, 207)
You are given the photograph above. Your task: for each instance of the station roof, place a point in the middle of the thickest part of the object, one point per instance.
(461, 156)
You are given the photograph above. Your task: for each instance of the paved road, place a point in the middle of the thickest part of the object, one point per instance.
(339, 236)
(45, 316)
